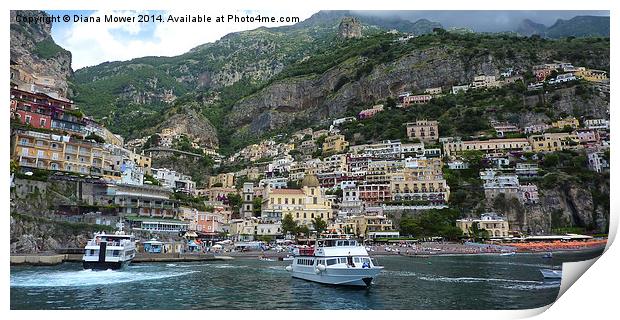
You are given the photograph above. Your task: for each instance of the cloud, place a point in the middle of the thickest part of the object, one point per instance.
(94, 43)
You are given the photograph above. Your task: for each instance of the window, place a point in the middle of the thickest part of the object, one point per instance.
(42, 123)
(28, 119)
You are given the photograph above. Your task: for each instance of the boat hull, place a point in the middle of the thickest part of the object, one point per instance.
(105, 265)
(341, 276)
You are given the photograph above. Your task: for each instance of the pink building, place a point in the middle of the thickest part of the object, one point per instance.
(588, 136)
(369, 113)
(208, 223)
(417, 99)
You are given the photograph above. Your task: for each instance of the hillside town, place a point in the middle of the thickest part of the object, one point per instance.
(293, 186)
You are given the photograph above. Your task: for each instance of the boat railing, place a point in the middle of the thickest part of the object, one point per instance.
(306, 251)
(109, 243)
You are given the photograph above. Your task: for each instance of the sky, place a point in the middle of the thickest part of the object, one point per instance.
(95, 43)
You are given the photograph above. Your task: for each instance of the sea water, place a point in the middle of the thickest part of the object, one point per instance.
(437, 282)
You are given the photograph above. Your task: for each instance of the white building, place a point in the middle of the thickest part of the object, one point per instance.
(597, 124)
(596, 161)
(174, 180)
(458, 165)
(457, 89)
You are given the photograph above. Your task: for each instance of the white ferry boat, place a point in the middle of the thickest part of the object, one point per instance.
(109, 251)
(336, 260)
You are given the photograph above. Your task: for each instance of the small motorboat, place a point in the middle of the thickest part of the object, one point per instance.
(548, 255)
(266, 259)
(507, 254)
(551, 274)
(288, 258)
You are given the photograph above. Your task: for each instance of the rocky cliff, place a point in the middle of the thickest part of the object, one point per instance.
(567, 204)
(313, 97)
(349, 28)
(33, 48)
(186, 119)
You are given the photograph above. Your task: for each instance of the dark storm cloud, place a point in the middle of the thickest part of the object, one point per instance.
(485, 21)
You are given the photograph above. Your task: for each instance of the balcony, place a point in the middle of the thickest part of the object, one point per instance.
(71, 150)
(26, 144)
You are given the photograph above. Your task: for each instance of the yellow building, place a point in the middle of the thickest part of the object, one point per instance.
(225, 180)
(51, 152)
(343, 227)
(142, 161)
(553, 141)
(303, 204)
(420, 180)
(496, 226)
(488, 146)
(335, 144)
(367, 224)
(423, 130)
(567, 122)
(592, 75)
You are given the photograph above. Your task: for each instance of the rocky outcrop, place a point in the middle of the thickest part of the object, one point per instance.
(186, 120)
(316, 98)
(568, 204)
(574, 100)
(34, 50)
(350, 28)
(36, 235)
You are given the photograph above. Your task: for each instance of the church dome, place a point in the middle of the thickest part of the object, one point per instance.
(310, 180)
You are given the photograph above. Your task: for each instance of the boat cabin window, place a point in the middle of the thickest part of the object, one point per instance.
(342, 260)
(342, 243)
(332, 261)
(305, 262)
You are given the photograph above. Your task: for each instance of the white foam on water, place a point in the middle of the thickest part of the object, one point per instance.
(529, 287)
(171, 265)
(228, 266)
(89, 277)
(475, 280)
(400, 273)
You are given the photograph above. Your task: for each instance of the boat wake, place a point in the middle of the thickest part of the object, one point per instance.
(88, 278)
(475, 280)
(504, 283)
(227, 266)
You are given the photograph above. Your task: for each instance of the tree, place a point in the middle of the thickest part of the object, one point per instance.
(152, 141)
(94, 137)
(289, 226)
(452, 233)
(257, 204)
(409, 226)
(477, 233)
(319, 225)
(234, 200)
(303, 230)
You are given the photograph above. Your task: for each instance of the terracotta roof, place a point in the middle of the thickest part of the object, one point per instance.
(287, 191)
